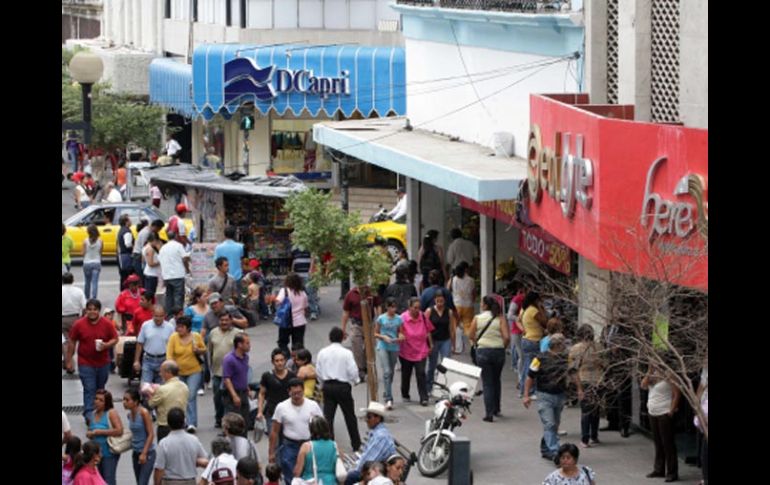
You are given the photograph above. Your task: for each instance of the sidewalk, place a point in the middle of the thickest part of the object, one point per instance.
(503, 452)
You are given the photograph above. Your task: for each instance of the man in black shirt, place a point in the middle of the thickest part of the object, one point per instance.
(273, 388)
(549, 370)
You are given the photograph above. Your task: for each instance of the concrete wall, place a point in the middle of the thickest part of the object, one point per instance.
(507, 111)
(694, 63)
(634, 59)
(596, 50)
(593, 297)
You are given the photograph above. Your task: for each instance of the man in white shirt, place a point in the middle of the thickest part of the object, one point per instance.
(113, 195)
(291, 421)
(174, 265)
(460, 250)
(337, 371)
(73, 303)
(399, 210)
(172, 147)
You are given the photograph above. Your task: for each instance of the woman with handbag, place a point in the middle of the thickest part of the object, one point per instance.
(187, 349)
(317, 458)
(491, 336)
(142, 437)
(105, 422)
(414, 349)
(533, 318)
(293, 290)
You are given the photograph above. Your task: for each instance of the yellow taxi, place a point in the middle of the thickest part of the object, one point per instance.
(106, 217)
(393, 232)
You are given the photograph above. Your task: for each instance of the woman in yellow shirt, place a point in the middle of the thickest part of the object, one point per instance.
(186, 348)
(533, 318)
(306, 372)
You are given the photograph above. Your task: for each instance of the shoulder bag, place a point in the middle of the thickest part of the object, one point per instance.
(476, 343)
(339, 470)
(283, 314)
(122, 443)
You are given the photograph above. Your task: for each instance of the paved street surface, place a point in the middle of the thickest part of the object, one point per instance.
(503, 452)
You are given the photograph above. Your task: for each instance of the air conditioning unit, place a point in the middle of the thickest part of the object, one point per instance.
(503, 143)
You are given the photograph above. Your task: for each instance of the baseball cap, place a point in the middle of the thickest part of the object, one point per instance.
(223, 475)
(132, 279)
(214, 297)
(181, 208)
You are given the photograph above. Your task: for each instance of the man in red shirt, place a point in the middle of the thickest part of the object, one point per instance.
(351, 310)
(142, 313)
(95, 336)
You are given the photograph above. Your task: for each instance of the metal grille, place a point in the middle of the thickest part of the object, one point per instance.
(665, 61)
(500, 5)
(612, 51)
(73, 409)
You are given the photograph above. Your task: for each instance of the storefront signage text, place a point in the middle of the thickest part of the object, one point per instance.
(564, 176)
(242, 76)
(539, 245)
(668, 216)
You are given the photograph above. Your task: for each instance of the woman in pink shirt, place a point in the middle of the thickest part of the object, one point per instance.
(85, 471)
(294, 289)
(415, 349)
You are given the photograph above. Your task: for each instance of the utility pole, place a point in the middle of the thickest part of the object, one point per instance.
(371, 365)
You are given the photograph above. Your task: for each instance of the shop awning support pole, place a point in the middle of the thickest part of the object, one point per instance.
(345, 283)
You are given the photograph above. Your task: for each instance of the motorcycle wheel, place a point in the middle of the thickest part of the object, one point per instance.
(434, 460)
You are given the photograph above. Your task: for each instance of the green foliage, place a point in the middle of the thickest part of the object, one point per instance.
(321, 228)
(117, 119)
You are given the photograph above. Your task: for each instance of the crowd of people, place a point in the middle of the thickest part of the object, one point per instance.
(181, 349)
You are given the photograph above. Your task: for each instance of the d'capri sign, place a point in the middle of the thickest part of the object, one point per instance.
(242, 77)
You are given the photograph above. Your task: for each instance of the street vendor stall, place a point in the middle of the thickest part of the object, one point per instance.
(252, 205)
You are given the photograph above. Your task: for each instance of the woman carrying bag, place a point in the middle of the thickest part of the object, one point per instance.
(319, 467)
(490, 335)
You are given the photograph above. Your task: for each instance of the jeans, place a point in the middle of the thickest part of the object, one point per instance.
(312, 297)
(219, 406)
(388, 359)
(549, 407)
(174, 295)
(151, 369)
(91, 276)
(193, 382)
(406, 376)
(73, 156)
(92, 378)
(517, 355)
(340, 394)
(142, 473)
(441, 349)
(297, 335)
(151, 284)
(491, 362)
(529, 350)
(589, 414)
(108, 468)
(287, 458)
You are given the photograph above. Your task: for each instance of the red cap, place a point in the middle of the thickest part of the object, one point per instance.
(254, 263)
(132, 279)
(181, 208)
(78, 176)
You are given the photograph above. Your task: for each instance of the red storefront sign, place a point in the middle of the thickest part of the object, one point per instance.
(629, 196)
(532, 240)
(541, 246)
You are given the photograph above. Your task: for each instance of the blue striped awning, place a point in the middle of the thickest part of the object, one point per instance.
(294, 78)
(170, 85)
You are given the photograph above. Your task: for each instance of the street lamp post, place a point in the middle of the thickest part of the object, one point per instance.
(86, 68)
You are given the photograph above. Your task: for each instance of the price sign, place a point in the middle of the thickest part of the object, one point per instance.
(545, 248)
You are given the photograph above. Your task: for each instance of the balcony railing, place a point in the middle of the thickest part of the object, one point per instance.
(497, 5)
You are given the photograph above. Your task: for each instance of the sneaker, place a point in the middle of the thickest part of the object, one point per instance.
(424, 402)
(584, 445)
(562, 432)
(191, 429)
(533, 397)
(313, 316)
(389, 404)
(201, 392)
(595, 442)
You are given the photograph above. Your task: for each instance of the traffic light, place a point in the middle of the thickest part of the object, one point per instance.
(247, 122)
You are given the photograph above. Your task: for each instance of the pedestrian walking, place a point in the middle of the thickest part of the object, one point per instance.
(295, 292)
(387, 331)
(414, 350)
(490, 334)
(92, 261)
(273, 388)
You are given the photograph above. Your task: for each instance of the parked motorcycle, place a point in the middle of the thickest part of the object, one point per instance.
(448, 414)
(380, 216)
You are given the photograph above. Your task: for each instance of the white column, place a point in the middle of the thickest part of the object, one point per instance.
(128, 19)
(412, 217)
(160, 16)
(486, 247)
(634, 56)
(197, 141)
(259, 145)
(106, 12)
(596, 50)
(593, 295)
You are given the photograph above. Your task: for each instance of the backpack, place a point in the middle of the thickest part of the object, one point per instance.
(283, 314)
(173, 225)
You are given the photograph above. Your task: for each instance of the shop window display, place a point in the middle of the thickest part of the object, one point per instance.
(293, 151)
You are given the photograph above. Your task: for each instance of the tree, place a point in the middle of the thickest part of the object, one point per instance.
(117, 119)
(324, 229)
(659, 324)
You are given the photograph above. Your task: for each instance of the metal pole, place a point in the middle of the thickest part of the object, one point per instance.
(345, 283)
(460, 462)
(86, 90)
